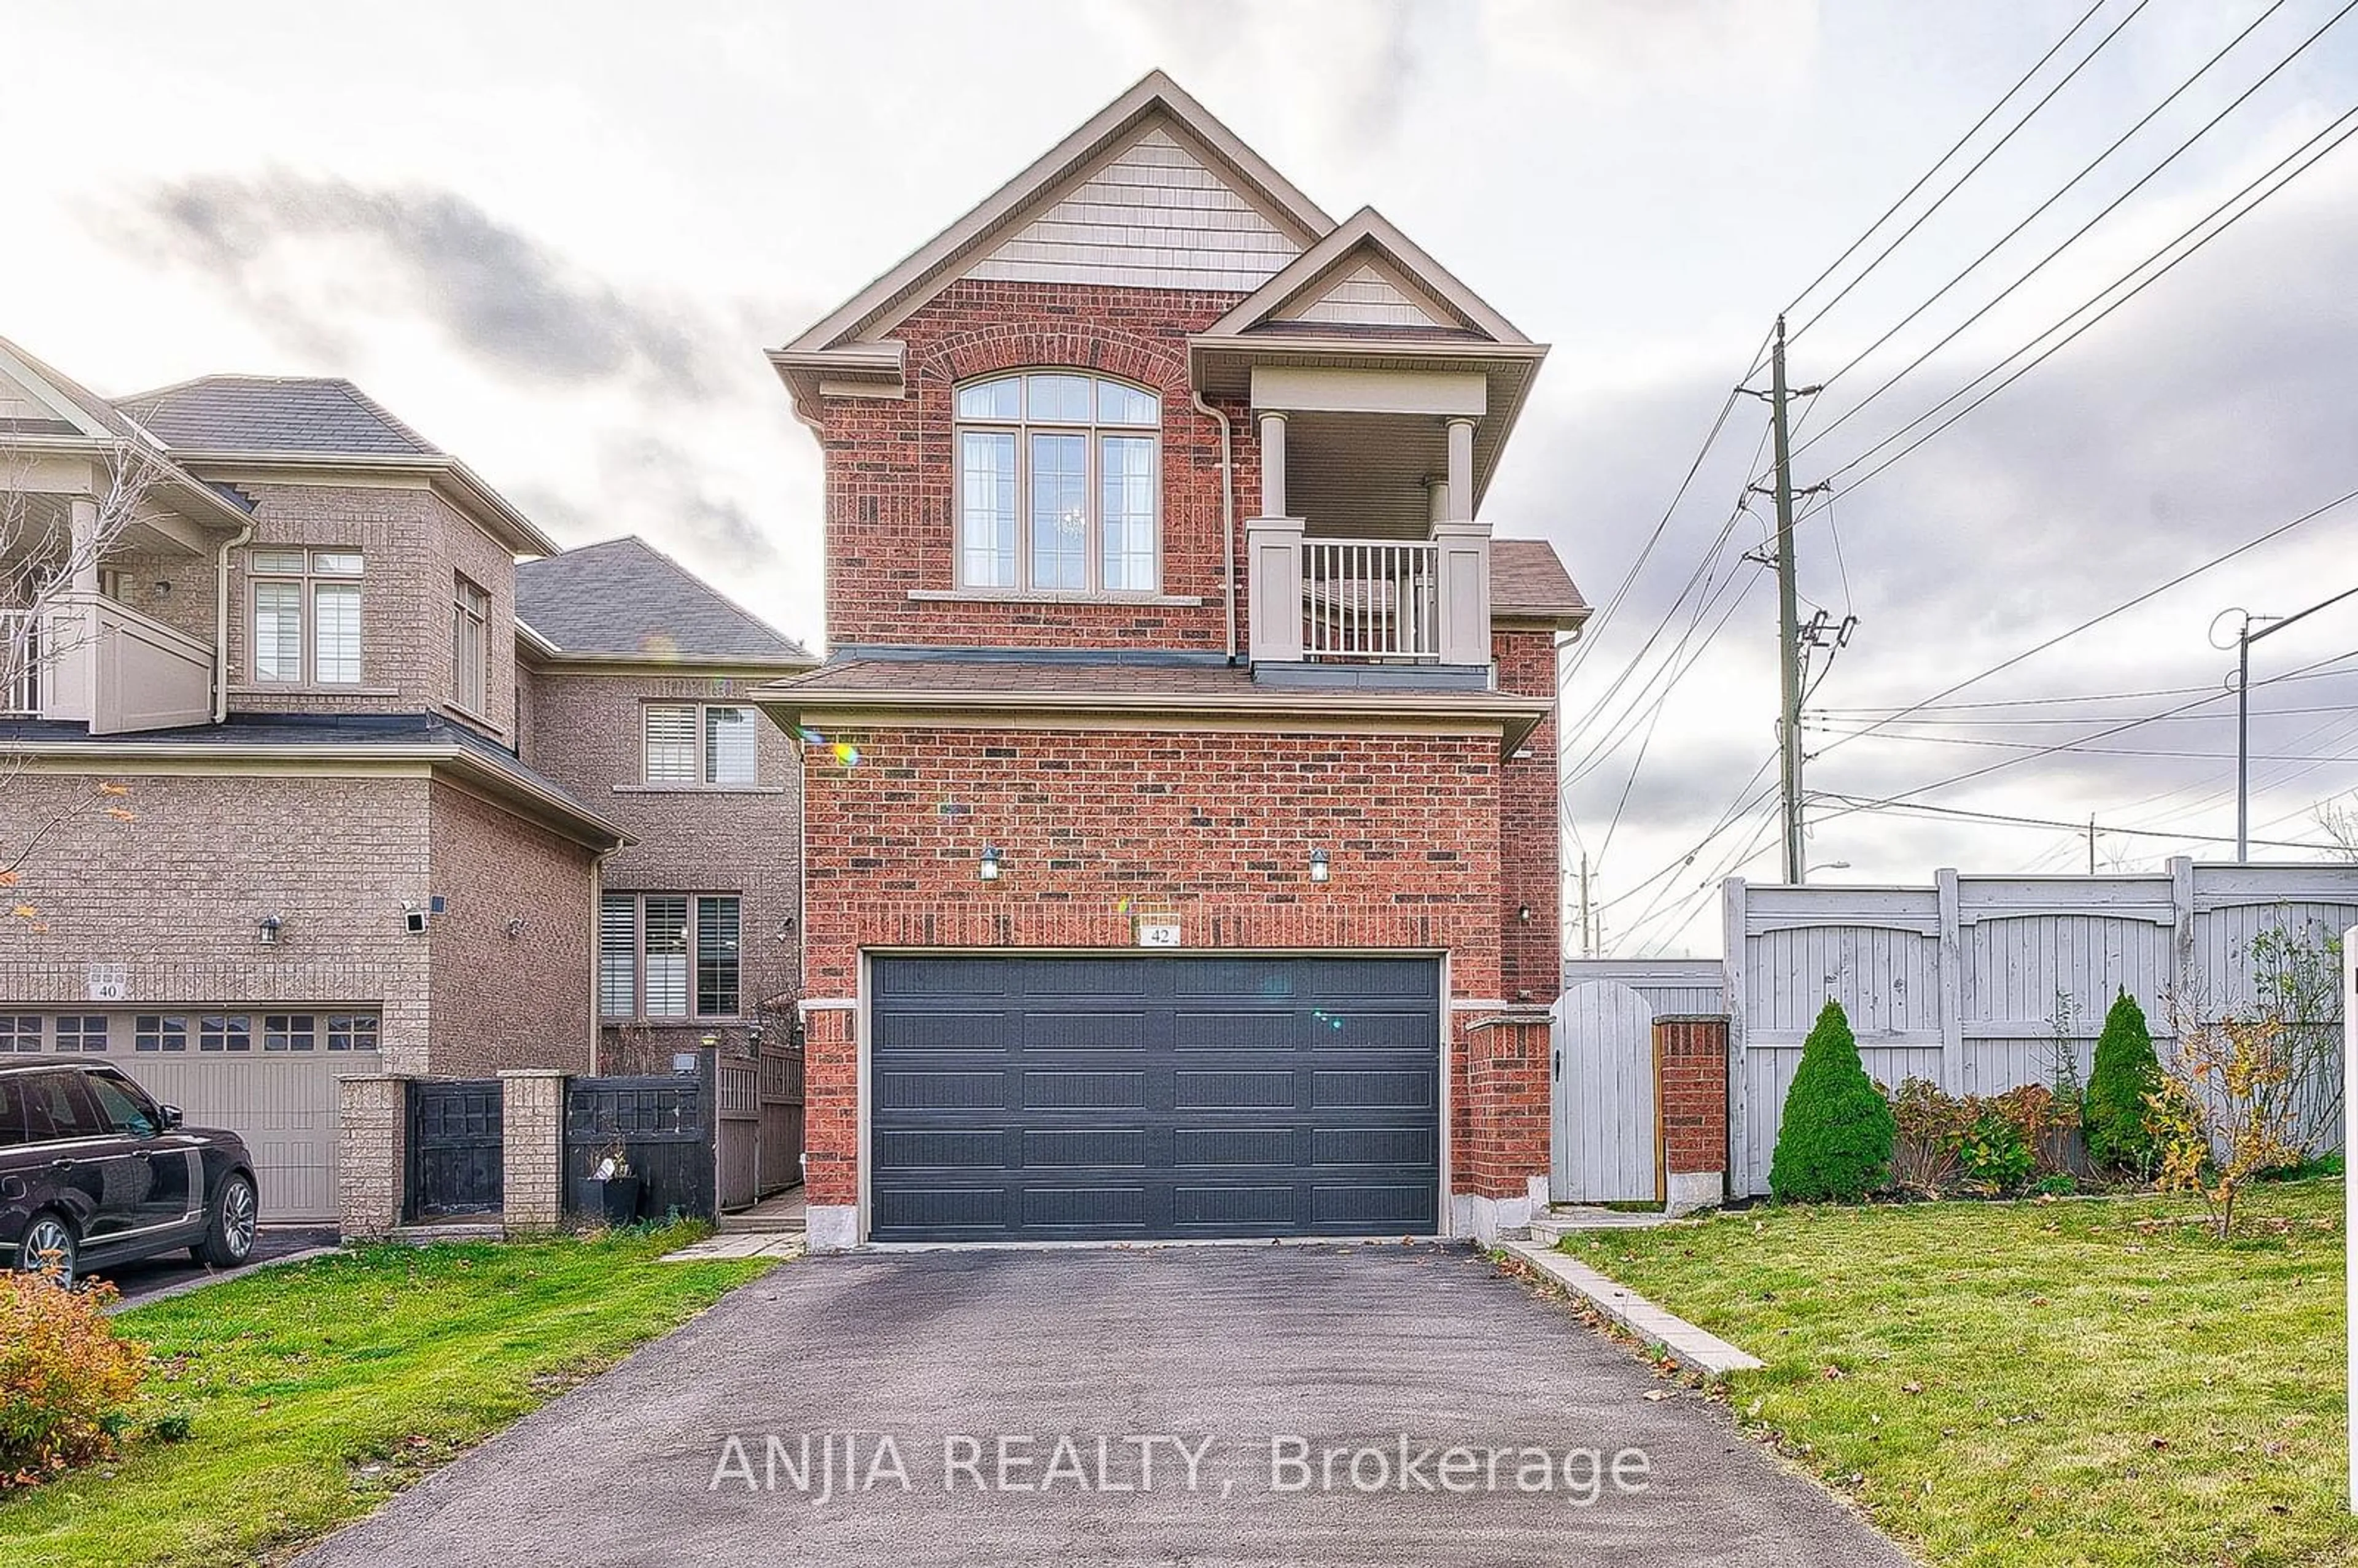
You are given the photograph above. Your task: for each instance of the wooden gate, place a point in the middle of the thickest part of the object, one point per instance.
(760, 1136)
(455, 1149)
(1605, 1144)
(664, 1125)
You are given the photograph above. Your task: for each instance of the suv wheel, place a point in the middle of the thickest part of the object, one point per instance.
(50, 1240)
(228, 1236)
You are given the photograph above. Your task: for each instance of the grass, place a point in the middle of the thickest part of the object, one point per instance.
(2080, 1382)
(315, 1391)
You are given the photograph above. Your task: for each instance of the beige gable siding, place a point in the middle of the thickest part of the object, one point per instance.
(1153, 216)
(1366, 297)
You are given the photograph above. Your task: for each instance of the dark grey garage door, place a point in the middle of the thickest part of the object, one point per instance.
(1147, 1095)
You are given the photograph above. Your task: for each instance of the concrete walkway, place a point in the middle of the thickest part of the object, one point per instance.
(1202, 1391)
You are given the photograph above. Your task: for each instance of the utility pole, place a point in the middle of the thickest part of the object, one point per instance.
(1789, 620)
(1587, 941)
(2244, 638)
(2092, 843)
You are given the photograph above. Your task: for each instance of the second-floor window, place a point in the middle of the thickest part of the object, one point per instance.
(307, 617)
(667, 954)
(701, 743)
(1059, 484)
(471, 616)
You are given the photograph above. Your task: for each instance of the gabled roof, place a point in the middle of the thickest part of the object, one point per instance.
(1366, 234)
(65, 416)
(626, 601)
(1528, 582)
(847, 342)
(320, 415)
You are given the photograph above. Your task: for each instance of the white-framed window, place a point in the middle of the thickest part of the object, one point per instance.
(81, 1032)
(289, 1031)
(701, 743)
(224, 1032)
(20, 1031)
(1059, 484)
(159, 1032)
(668, 956)
(307, 617)
(471, 620)
(352, 1031)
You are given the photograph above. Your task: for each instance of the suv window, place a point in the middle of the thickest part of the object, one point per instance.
(12, 1109)
(56, 1108)
(126, 1110)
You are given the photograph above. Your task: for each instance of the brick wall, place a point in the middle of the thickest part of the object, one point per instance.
(1693, 1092)
(511, 948)
(174, 895)
(1213, 828)
(890, 513)
(412, 543)
(1529, 830)
(585, 729)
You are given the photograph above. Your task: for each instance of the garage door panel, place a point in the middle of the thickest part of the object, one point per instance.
(1069, 1089)
(940, 1091)
(1131, 1096)
(283, 1106)
(1112, 1148)
(1371, 1089)
(1059, 1030)
(1262, 1090)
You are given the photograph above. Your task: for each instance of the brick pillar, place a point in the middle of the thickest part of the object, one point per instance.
(831, 1128)
(1499, 1161)
(372, 1154)
(1691, 1099)
(532, 1149)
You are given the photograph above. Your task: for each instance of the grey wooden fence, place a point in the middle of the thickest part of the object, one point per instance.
(1959, 982)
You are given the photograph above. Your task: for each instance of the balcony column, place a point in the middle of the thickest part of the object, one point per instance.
(1274, 568)
(1463, 548)
(1436, 499)
(82, 517)
(1272, 463)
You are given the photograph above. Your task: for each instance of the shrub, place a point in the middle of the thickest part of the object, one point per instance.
(1928, 1125)
(2125, 1075)
(66, 1380)
(2046, 1121)
(1994, 1157)
(1834, 1142)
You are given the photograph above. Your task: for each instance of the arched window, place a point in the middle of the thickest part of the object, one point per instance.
(1059, 484)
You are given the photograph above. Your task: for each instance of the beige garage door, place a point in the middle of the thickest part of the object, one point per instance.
(283, 1106)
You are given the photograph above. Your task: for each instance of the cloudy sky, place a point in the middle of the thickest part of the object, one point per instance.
(556, 238)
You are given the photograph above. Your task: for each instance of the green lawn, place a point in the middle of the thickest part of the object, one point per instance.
(318, 1390)
(2073, 1382)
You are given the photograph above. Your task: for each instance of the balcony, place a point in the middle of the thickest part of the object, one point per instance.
(1322, 606)
(89, 660)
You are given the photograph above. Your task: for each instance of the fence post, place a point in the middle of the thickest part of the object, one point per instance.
(532, 1149)
(1691, 1105)
(2350, 1193)
(1952, 960)
(1731, 993)
(372, 1154)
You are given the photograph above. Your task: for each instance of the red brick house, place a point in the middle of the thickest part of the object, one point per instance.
(1180, 843)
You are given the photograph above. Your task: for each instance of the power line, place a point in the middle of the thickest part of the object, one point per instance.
(2341, 124)
(2007, 819)
(1825, 721)
(1820, 314)
(2081, 696)
(2076, 235)
(1986, 742)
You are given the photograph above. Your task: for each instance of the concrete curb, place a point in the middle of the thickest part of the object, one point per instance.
(184, 1286)
(1693, 1347)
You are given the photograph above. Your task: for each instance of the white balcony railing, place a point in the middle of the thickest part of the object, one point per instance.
(107, 666)
(20, 660)
(1375, 600)
(1328, 601)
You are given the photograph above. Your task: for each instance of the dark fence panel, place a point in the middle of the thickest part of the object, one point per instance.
(781, 1117)
(664, 1126)
(455, 1150)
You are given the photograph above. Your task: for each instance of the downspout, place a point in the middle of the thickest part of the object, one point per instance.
(1228, 514)
(220, 623)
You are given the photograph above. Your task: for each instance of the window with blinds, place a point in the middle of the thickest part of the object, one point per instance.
(291, 586)
(470, 615)
(668, 956)
(693, 742)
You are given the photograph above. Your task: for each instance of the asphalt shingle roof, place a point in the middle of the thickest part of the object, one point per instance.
(1525, 575)
(318, 416)
(627, 598)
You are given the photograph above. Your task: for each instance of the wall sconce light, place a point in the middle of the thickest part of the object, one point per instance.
(265, 930)
(1523, 912)
(1318, 867)
(989, 869)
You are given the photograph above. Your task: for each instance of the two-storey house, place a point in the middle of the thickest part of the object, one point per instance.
(1180, 843)
(293, 793)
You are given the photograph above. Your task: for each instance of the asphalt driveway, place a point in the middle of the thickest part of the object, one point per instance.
(1255, 1361)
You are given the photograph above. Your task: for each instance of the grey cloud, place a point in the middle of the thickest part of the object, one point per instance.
(647, 486)
(496, 292)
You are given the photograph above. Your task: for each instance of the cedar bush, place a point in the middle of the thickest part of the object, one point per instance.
(1834, 1141)
(67, 1382)
(2126, 1076)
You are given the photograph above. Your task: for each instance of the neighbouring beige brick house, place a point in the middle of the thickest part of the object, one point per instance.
(368, 820)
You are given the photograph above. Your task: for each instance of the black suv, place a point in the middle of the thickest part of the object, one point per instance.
(93, 1171)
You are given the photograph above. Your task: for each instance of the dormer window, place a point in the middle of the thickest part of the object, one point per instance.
(1059, 484)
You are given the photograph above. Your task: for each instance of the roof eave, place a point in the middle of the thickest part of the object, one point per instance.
(509, 527)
